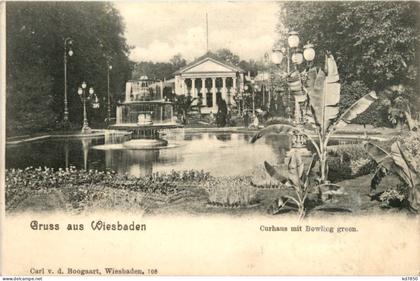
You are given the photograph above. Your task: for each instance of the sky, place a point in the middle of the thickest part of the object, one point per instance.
(160, 30)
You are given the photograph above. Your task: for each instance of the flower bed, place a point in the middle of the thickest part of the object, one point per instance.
(231, 192)
(79, 186)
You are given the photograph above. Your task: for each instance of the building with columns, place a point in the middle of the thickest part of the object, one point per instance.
(208, 78)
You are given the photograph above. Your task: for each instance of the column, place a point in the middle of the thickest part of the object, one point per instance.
(203, 91)
(233, 92)
(184, 86)
(193, 93)
(213, 90)
(224, 90)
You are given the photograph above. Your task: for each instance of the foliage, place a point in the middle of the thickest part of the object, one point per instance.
(228, 56)
(323, 93)
(348, 161)
(35, 64)
(231, 192)
(302, 183)
(392, 197)
(411, 143)
(375, 43)
(351, 92)
(158, 70)
(25, 112)
(183, 105)
(77, 183)
(400, 162)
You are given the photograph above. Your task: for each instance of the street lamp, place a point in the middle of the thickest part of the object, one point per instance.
(296, 58)
(109, 97)
(294, 54)
(309, 52)
(67, 51)
(95, 104)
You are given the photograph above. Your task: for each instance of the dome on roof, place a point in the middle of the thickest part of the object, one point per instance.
(144, 77)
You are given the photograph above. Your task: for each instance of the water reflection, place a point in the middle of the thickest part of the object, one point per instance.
(221, 154)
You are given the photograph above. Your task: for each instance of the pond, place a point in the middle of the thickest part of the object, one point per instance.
(221, 154)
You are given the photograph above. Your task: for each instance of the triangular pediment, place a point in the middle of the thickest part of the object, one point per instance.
(208, 65)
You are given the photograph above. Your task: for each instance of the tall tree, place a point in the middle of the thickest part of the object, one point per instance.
(375, 44)
(35, 45)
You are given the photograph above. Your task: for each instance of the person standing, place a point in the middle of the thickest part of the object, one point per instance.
(246, 119)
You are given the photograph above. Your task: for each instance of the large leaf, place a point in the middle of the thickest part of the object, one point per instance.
(408, 174)
(411, 124)
(281, 129)
(295, 168)
(305, 178)
(324, 93)
(401, 160)
(274, 173)
(377, 153)
(387, 160)
(357, 108)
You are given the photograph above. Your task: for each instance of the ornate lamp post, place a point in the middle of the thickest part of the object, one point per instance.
(109, 97)
(67, 51)
(95, 104)
(295, 56)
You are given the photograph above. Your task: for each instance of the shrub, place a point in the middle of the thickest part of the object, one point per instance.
(349, 161)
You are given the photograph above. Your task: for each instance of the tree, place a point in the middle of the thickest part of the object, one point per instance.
(374, 43)
(158, 70)
(183, 105)
(228, 56)
(178, 61)
(35, 44)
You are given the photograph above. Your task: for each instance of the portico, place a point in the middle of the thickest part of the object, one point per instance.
(208, 78)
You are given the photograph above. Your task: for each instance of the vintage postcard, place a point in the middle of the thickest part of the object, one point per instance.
(157, 138)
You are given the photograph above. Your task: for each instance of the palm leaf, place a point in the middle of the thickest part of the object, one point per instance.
(357, 108)
(324, 93)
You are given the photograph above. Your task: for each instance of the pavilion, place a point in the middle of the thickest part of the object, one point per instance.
(207, 78)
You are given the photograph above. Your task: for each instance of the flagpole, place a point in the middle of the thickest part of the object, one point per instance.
(207, 33)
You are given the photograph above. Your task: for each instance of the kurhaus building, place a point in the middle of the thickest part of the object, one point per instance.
(208, 78)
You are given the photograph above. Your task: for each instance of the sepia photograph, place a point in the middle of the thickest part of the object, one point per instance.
(241, 121)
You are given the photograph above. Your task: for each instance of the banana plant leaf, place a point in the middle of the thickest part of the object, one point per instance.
(305, 178)
(296, 169)
(386, 160)
(324, 93)
(274, 173)
(377, 153)
(398, 162)
(411, 124)
(357, 108)
(401, 160)
(281, 129)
